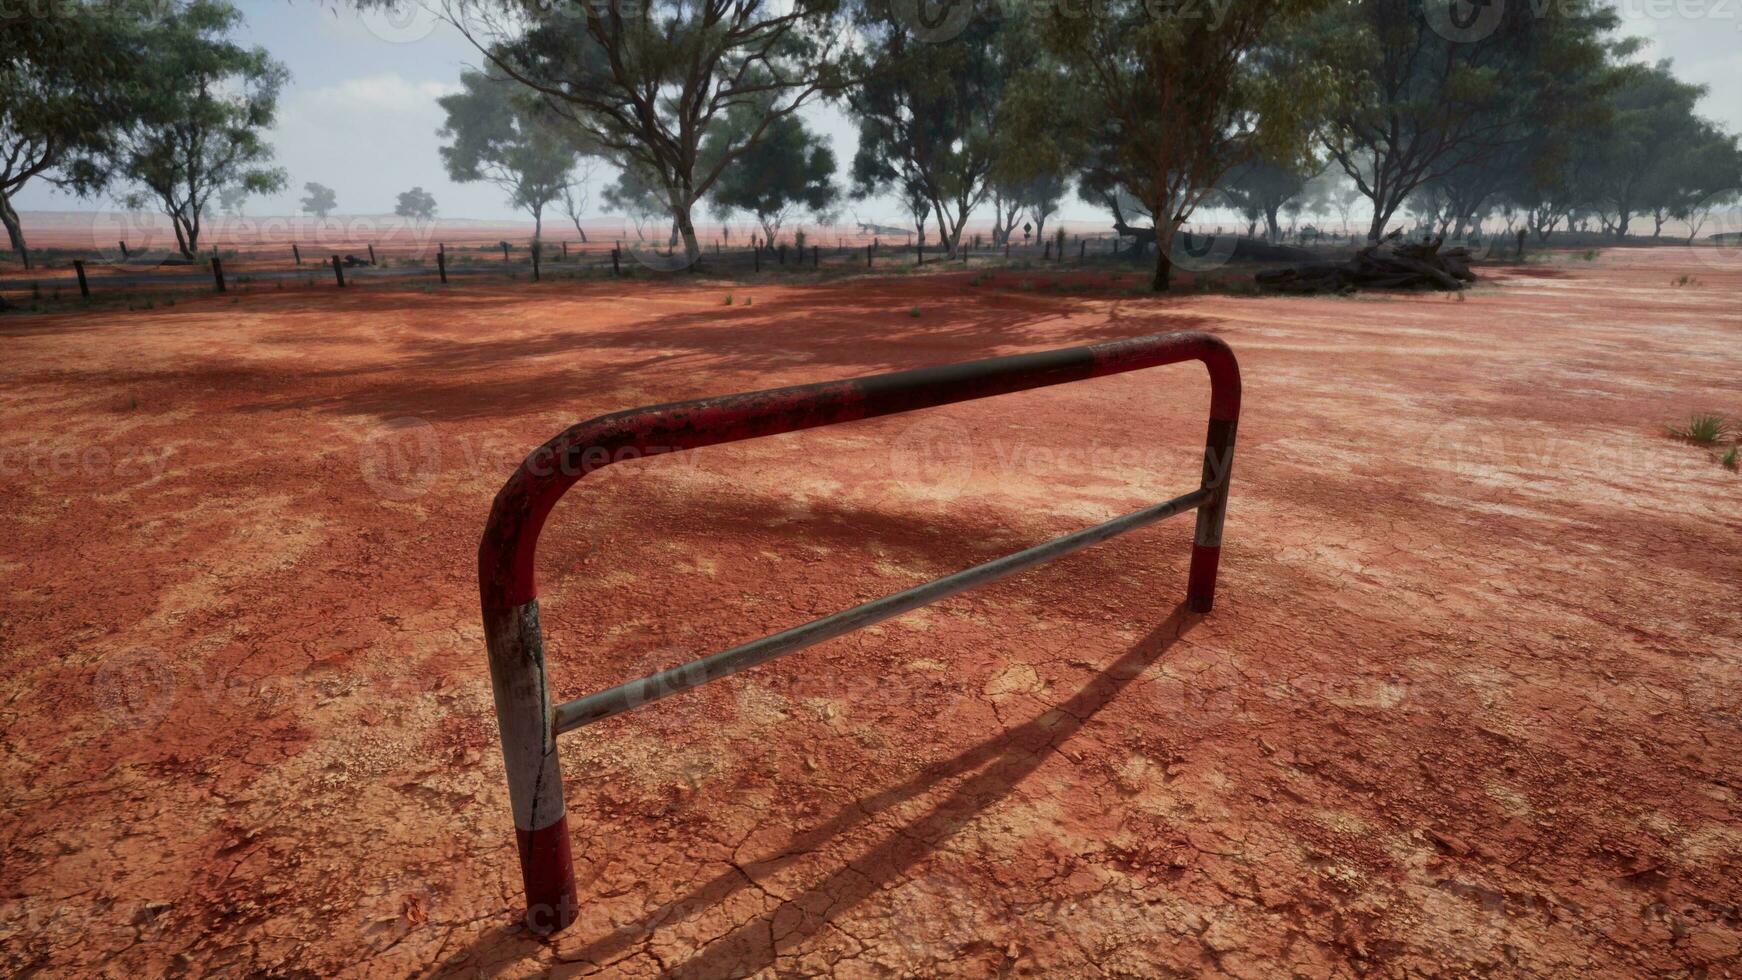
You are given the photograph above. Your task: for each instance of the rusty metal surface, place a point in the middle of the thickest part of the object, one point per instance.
(505, 556)
(627, 697)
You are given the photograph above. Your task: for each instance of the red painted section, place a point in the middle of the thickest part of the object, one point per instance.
(1201, 582)
(505, 556)
(548, 872)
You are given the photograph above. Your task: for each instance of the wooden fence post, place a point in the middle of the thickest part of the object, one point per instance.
(84, 287)
(371, 253)
(616, 251)
(295, 252)
(442, 266)
(338, 272)
(124, 253)
(218, 273)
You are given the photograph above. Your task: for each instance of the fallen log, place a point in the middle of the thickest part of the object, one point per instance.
(1389, 264)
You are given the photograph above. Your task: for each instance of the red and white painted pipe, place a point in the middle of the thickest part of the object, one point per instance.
(506, 554)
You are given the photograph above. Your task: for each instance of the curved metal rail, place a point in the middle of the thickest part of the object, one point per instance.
(529, 723)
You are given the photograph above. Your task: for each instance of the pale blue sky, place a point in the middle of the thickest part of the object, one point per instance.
(359, 114)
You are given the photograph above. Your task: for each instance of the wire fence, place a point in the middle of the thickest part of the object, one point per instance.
(123, 268)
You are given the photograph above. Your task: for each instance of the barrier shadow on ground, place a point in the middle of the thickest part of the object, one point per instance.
(991, 770)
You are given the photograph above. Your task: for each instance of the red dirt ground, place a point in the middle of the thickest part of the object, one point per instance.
(1469, 702)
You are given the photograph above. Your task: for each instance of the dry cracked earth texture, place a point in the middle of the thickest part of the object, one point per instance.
(1468, 702)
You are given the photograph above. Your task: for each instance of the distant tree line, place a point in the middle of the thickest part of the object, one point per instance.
(1537, 115)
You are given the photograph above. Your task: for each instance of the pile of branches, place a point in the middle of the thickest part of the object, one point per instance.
(1389, 264)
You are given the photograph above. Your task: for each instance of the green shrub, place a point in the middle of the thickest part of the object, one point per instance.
(1701, 428)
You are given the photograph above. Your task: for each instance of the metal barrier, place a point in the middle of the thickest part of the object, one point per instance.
(530, 723)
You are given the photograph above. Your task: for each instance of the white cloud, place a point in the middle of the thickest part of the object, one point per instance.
(369, 138)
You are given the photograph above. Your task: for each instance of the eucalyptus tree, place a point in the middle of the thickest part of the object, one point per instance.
(1422, 94)
(1039, 140)
(644, 81)
(318, 200)
(416, 204)
(499, 134)
(74, 76)
(1655, 129)
(1259, 189)
(202, 122)
(789, 170)
(1709, 179)
(1177, 92)
(927, 106)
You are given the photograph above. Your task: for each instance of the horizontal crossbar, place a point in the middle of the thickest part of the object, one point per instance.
(627, 697)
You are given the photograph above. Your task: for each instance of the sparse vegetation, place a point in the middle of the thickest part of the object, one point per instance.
(1702, 429)
(1728, 460)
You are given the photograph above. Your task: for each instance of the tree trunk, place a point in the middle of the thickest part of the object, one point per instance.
(692, 248)
(14, 230)
(182, 241)
(1271, 226)
(1163, 278)
(1376, 229)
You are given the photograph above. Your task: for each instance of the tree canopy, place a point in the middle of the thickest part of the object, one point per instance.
(501, 134)
(789, 169)
(203, 128)
(320, 200)
(417, 204)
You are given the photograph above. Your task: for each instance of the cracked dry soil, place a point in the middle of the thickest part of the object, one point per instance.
(1468, 702)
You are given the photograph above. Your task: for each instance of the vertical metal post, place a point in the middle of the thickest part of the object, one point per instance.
(218, 273)
(535, 788)
(338, 272)
(1207, 545)
(867, 256)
